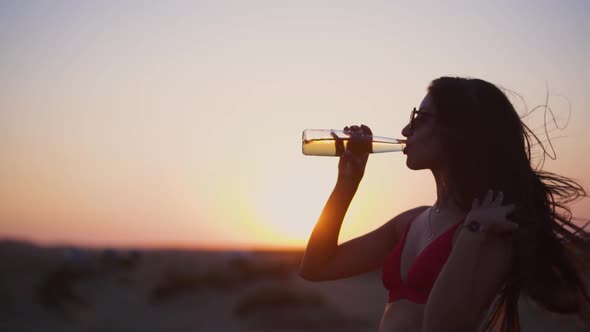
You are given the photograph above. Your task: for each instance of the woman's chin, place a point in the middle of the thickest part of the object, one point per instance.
(413, 165)
(410, 165)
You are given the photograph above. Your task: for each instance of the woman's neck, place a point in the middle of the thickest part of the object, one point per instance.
(444, 199)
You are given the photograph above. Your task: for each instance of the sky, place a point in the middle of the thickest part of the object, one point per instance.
(178, 123)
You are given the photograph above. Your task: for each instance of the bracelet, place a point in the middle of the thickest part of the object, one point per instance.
(475, 226)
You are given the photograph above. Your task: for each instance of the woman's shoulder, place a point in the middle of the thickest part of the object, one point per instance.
(400, 222)
(411, 214)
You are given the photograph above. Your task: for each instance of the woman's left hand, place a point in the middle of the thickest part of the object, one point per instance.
(491, 215)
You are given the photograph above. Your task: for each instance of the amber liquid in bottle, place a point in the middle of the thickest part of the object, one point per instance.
(320, 142)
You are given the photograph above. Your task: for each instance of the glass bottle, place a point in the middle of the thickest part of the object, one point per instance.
(320, 142)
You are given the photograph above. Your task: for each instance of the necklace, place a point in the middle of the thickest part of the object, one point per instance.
(436, 209)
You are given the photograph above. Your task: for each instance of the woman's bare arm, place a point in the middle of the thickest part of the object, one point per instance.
(468, 283)
(474, 272)
(324, 259)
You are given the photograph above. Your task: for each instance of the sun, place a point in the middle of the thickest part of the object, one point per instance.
(291, 206)
(288, 213)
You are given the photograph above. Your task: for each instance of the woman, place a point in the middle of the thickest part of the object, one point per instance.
(499, 228)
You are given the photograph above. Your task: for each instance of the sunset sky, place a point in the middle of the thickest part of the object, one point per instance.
(178, 123)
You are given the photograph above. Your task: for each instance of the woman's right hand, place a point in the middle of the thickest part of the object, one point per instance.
(352, 163)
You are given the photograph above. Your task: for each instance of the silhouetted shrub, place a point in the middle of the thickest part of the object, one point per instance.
(112, 260)
(248, 270)
(238, 273)
(57, 287)
(273, 298)
(176, 284)
(280, 308)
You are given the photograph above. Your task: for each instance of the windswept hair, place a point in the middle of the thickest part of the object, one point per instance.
(489, 147)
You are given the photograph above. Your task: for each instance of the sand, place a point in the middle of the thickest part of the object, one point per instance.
(59, 289)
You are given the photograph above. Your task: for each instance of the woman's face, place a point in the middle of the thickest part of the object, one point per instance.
(423, 148)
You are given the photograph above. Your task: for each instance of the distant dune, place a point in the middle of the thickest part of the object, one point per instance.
(77, 289)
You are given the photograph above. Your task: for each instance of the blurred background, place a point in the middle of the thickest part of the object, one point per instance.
(151, 166)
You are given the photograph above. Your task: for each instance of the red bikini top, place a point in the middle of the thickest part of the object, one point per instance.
(422, 273)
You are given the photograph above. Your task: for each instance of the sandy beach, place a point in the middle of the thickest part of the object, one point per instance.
(98, 290)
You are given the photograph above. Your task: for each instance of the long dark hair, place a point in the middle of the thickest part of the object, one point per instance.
(489, 147)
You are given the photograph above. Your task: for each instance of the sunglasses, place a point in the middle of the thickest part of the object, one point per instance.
(416, 115)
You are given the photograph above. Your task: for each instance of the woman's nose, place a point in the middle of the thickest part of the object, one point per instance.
(407, 131)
